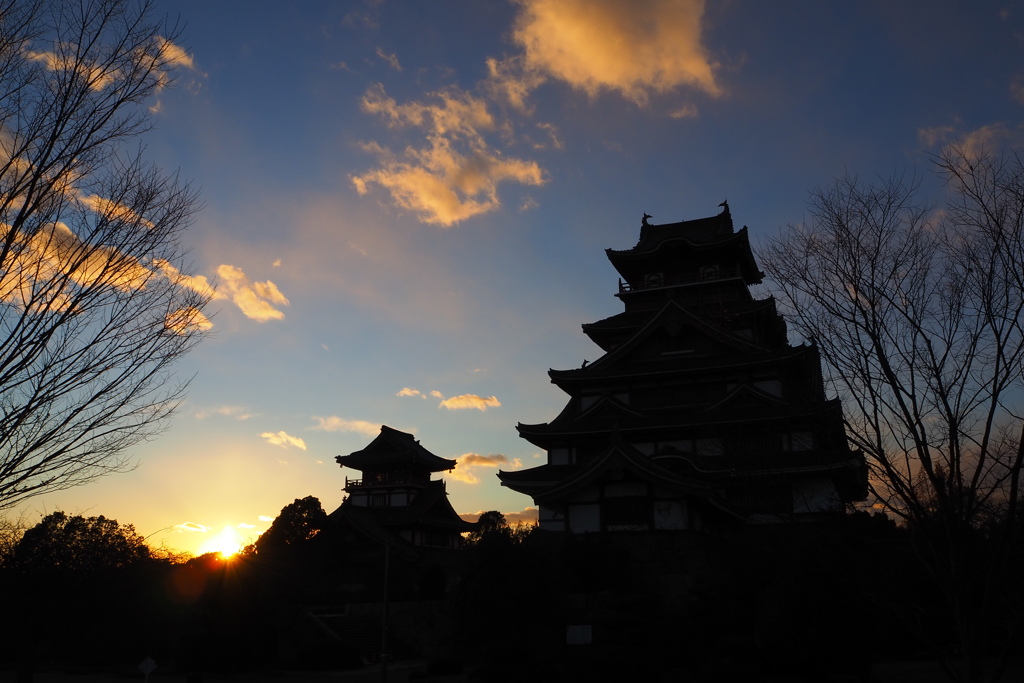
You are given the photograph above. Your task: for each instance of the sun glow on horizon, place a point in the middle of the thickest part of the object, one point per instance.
(228, 543)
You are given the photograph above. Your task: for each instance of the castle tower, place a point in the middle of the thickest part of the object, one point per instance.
(395, 501)
(699, 412)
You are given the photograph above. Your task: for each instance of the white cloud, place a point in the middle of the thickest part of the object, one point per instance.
(391, 59)
(283, 439)
(339, 424)
(237, 412)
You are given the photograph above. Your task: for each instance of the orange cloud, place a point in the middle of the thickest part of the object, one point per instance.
(634, 48)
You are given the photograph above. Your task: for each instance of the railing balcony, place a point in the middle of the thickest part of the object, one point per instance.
(657, 282)
(388, 479)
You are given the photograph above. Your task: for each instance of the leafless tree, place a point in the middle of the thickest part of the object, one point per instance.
(95, 300)
(917, 314)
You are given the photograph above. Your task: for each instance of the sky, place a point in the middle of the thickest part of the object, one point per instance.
(406, 207)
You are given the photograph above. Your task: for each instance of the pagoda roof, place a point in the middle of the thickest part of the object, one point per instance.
(758, 408)
(616, 329)
(674, 314)
(699, 231)
(683, 472)
(698, 235)
(430, 508)
(393, 449)
(557, 482)
(636, 319)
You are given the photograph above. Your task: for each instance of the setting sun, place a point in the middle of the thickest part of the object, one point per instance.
(228, 542)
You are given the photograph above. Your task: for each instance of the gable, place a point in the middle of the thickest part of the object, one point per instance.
(676, 334)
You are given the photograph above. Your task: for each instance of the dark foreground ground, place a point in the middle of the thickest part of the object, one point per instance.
(400, 672)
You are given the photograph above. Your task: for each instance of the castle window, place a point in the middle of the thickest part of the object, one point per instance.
(709, 447)
(379, 500)
(627, 513)
(709, 272)
(558, 456)
(769, 386)
(798, 441)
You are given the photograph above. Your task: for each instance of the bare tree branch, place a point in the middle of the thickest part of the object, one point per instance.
(917, 315)
(95, 305)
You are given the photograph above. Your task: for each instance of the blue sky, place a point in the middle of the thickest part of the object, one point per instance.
(407, 206)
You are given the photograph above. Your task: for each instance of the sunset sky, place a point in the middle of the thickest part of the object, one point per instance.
(407, 206)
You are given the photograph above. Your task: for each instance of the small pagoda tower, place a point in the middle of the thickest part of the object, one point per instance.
(395, 502)
(699, 412)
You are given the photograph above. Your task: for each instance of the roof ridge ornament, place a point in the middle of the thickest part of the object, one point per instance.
(644, 222)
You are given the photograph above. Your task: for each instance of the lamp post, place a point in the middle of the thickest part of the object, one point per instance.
(384, 617)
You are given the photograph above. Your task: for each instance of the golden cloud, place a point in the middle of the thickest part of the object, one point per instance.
(974, 143)
(112, 210)
(44, 266)
(197, 283)
(509, 81)
(633, 48)
(455, 175)
(257, 300)
(470, 401)
(467, 462)
(95, 76)
(173, 55)
(338, 424)
(283, 439)
(406, 391)
(187, 320)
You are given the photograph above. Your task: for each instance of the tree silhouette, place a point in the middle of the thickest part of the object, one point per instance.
(95, 300)
(298, 523)
(917, 315)
(61, 542)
